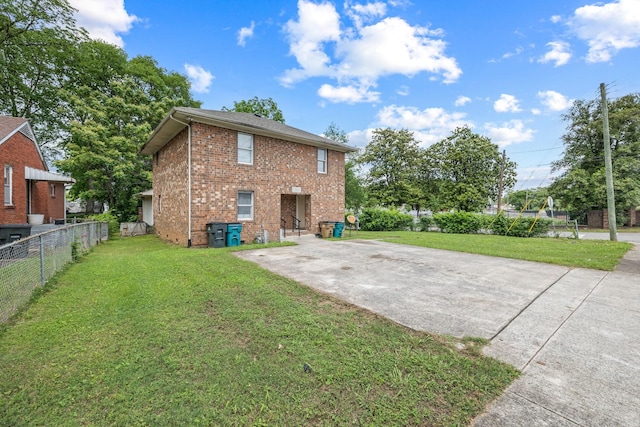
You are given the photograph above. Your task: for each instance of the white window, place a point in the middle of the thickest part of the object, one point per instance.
(245, 205)
(52, 190)
(322, 160)
(245, 148)
(8, 185)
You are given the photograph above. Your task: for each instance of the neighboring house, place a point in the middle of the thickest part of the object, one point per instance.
(28, 186)
(223, 166)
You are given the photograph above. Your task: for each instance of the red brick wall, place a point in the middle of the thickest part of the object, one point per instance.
(278, 166)
(18, 152)
(169, 190)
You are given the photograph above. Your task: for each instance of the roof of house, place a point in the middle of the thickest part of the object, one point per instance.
(243, 122)
(10, 125)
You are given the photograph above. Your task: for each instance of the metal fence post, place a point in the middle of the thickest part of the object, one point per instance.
(42, 277)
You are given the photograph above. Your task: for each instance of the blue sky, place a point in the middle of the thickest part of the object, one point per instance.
(508, 69)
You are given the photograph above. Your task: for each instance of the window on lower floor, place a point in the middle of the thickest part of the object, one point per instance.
(245, 205)
(322, 160)
(8, 185)
(52, 190)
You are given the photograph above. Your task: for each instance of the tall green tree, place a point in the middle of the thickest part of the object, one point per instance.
(114, 113)
(467, 168)
(581, 184)
(354, 194)
(392, 158)
(263, 107)
(38, 41)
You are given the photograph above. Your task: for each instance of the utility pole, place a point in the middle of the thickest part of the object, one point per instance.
(504, 157)
(611, 203)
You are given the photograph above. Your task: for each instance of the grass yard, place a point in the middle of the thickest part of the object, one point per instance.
(140, 332)
(595, 254)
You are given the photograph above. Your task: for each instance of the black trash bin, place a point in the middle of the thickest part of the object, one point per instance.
(217, 233)
(10, 233)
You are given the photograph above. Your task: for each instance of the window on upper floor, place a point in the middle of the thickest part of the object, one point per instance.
(322, 160)
(8, 185)
(245, 148)
(245, 205)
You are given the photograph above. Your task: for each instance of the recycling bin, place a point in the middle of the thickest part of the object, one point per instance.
(233, 233)
(338, 229)
(217, 233)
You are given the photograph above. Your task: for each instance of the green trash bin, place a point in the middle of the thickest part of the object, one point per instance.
(338, 228)
(233, 233)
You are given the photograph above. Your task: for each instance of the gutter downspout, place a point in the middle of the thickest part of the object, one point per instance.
(188, 125)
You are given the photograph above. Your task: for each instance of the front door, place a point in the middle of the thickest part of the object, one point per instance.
(301, 210)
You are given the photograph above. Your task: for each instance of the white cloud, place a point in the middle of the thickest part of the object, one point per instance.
(317, 24)
(607, 28)
(555, 19)
(516, 52)
(554, 101)
(245, 33)
(104, 19)
(507, 104)
(358, 56)
(403, 90)
(559, 53)
(429, 125)
(462, 100)
(536, 111)
(348, 94)
(362, 13)
(199, 77)
(511, 132)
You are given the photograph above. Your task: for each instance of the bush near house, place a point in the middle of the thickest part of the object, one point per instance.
(425, 222)
(471, 223)
(458, 222)
(520, 227)
(377, 219)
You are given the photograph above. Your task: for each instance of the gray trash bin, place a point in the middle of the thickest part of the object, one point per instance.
(217, 233)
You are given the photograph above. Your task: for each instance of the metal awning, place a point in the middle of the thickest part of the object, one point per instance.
(42, 175)
(143, 194)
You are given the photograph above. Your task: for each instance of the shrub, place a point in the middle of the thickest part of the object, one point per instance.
(376, 219)
(114, 225)
(520, 227)
(458, 222)
(425, 222)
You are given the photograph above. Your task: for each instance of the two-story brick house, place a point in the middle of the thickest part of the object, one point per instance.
(28, 186)
(226, 166)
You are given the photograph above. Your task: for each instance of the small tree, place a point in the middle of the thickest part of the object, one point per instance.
(262, 107)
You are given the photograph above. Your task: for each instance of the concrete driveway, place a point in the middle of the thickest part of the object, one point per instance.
(574, 333)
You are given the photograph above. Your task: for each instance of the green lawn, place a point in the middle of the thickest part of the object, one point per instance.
(140, 332)
(596, 254)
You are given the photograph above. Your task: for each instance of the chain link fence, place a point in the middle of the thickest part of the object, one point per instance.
(30, 262)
